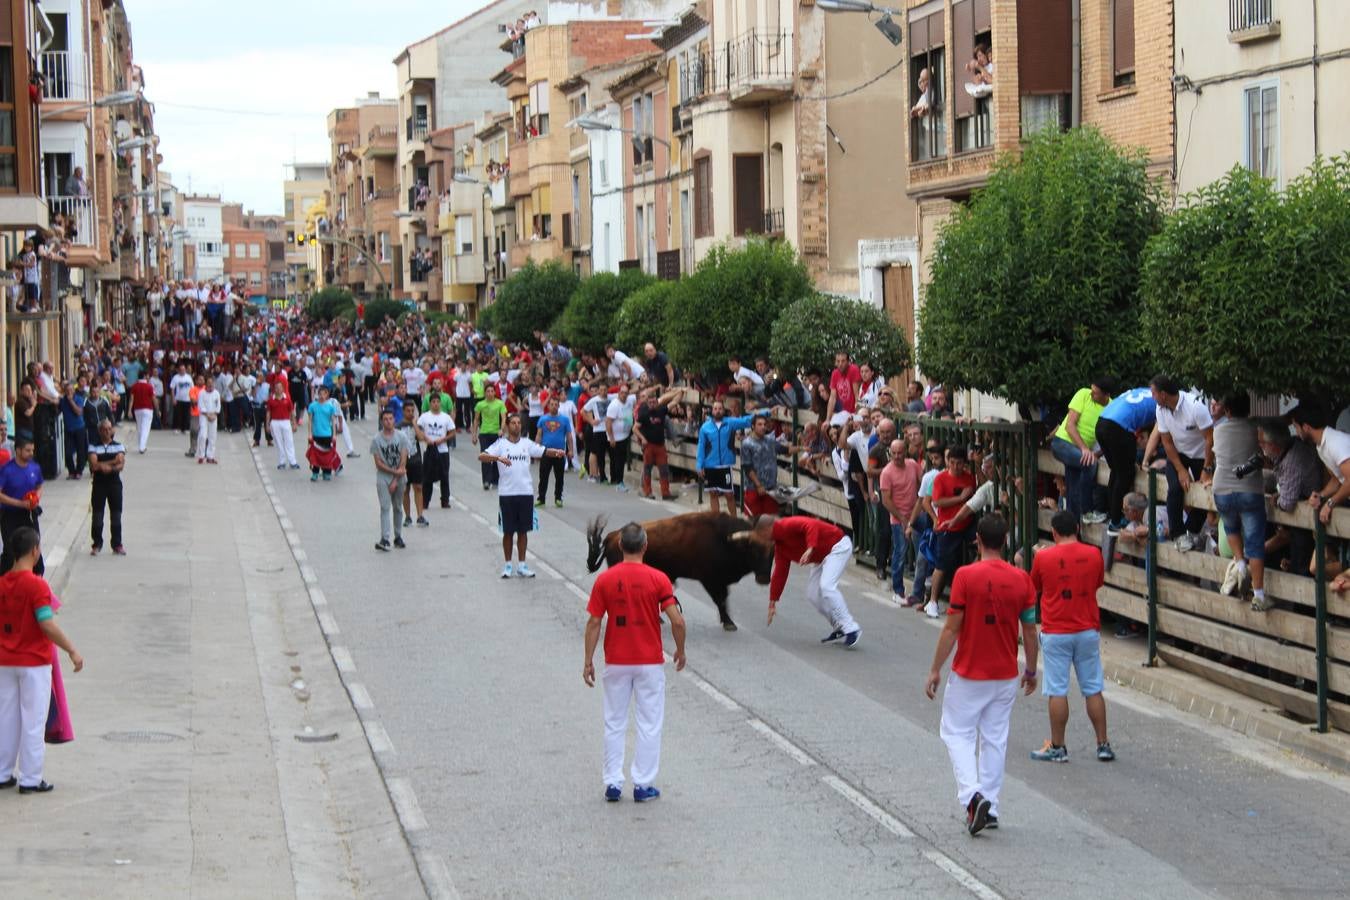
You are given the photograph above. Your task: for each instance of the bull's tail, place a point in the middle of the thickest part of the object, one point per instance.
(595, 543)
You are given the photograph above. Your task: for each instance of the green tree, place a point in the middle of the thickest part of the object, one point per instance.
(324, 305)
(1246, 288)
(728, 305)
(809, 332)
(531, 300)
(380, 309)
(642, 317)
(588, 322)
(1033, 287)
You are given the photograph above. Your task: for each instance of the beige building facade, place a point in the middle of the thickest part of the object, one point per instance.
(362, 197)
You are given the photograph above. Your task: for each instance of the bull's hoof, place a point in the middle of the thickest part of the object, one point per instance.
(728, 626)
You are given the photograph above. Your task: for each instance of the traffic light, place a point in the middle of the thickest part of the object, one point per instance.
(300, 239)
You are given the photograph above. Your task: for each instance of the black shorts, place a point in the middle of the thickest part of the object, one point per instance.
(414, 470)
(717, 481)
(597, 443)
(950, 549)
(517, 514)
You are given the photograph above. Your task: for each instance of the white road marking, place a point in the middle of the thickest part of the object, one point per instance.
(479, 519)
(1132, 704)
(546, 568)
(883, 818)
(55, 558)
(576, 590)
(327, 624)
(966, 880)
(781, 742)
(316, 596)
(286, 523)
(406, 805)
(342, 658)
(360, 696)
(722, 699)
(279, 510)
(298, 553)
(308, 575)
(378, 738)
(879, 598)
(436, 877)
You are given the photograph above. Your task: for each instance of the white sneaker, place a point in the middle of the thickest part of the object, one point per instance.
(506, 570)
(898, 599)
(1094, 518)
(930, 609)
(1187, 542)
(524, 571)
(1231, 579)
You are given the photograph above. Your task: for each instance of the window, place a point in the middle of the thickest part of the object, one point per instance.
(255, 278)
(255, 251)
(639, 235)
(1262, 139)
(241, 250)
(225, 251)
(703, 216)
(600, 149)
(1244, 14)
(1122, 42)
(539, 109)
(643, 105)
(650, 255)
(464, 234)
(290, 207)
(928, 87)
(9, 166)
(384, 246)
(608, 258)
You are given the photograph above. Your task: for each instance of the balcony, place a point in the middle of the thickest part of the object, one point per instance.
(756, 66)
(773, 222)
(62, 80)
(381, 141)
(78, 211)
(1250, 21)
(416, 128)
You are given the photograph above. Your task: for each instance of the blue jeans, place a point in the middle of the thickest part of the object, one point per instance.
(899, 550)
(922, 568)
(1080, 479)
(1245, 514)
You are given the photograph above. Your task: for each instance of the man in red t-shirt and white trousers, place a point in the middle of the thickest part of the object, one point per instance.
(27, 632)
(633, 595)
(143, 408)
(1067, 576)
(826, 551)
(989, 600)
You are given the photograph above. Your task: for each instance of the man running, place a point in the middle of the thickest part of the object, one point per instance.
(826, 551)
(1067, 576)
(435, 429)
(106, 461)
(633, 596)
(389, 450)
(989, 600)
(515, 489)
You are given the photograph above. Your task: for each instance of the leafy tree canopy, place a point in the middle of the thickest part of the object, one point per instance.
(642, 318)
(324, 305)
(531, 300)
(382, 308)
(809, 332)
(588, 322)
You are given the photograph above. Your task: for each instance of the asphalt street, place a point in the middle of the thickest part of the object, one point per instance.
(789, 768)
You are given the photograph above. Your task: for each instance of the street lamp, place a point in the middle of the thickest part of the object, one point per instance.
(588, 123)
(886, 25)
(138, 142)
(117, 98)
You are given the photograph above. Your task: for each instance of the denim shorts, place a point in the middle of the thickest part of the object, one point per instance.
(1245, 514)
(1081, 650)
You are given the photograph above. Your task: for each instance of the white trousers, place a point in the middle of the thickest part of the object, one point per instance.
(822, 587)
(646, 687)
(347, 435)
(284, 438)
(144, 418)
(25, 698)
(975, 729)
(206, 438)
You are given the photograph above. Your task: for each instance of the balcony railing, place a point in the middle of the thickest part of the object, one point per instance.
(78, 211)
(416, 128)
(59, 75)
(754, 58)
(976, 131)
(773, 221)
(1245, 14)
(928, 136)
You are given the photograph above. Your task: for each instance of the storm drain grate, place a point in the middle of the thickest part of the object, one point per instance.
(141, 737)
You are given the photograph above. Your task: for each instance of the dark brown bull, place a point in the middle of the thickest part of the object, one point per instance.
(710, 548)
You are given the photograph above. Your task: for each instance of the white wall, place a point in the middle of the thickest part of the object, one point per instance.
(202, 221)
(607, 152)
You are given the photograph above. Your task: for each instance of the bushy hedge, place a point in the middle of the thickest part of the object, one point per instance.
(531, 300)
(642, 318)
(382, 308)
(589, 321)
(1247, 288)
(809, 332)
(324, 305)
(1034, 283)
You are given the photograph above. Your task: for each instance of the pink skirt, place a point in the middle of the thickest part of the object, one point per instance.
(59, 728)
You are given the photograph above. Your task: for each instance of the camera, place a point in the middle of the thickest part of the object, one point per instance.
(1253, 464)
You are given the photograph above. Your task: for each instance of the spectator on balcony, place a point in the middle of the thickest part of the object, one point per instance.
(914, 398)
(75, 185)
(1312, 422)
(924, 105)
(32, 278)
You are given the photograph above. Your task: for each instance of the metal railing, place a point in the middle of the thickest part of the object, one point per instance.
(1244, 14)
(773, 221)
(416, 129)
(755, 56)
(80, 212)
(928, 136)
(59, 75)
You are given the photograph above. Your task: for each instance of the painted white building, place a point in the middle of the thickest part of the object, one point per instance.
(201, 230)
(606, 153)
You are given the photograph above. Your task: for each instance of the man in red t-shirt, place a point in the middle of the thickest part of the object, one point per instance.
(951, 489)
(825, 550)
(990, 599)
(844, 382)
(282, 423)
(633, 595)
(143, 407)
(27, 632)
(1067, 576)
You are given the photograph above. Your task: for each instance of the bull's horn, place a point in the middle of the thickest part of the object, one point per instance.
(739, 536)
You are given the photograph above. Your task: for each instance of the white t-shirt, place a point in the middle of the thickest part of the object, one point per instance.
(747, 372)
(597, 406)
(436, 426)
(463, 384)
(536, 405)
(181, 385)
(1186, 424)
(157, 385)
(870, 392)
(415, 379)
(1334, 450)
(516, 479)
(621, 414)
(623, 366)
(858, 441)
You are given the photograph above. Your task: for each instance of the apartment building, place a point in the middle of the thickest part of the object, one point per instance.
(244, 251)
(362, 196)
(1261, 84)
(302, 193)
(273, 227)
(200, 254)
(443, 81)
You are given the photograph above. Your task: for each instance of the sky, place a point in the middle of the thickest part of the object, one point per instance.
(241, 88)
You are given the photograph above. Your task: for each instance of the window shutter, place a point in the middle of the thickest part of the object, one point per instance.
(918, 36)
(983, 22)
(1043, 47)
(963, 45)
(1122, 36)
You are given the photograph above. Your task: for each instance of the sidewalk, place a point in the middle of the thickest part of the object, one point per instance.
(216, 752)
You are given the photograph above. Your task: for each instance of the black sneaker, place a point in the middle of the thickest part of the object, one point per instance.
(398, 542)
(991, 823)
(382, 546)
(977, 813)
(1104, 752)
(832, 636)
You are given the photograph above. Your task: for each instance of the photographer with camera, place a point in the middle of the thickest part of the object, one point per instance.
(1239, 496)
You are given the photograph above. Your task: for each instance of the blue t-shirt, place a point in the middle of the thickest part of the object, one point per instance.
(395, 405)
(1132, 410)
(17, 480)
(553, 431)
(574, 392)
(72, 412)
(322, 417)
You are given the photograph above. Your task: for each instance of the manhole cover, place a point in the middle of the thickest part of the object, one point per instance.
(141, 737)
